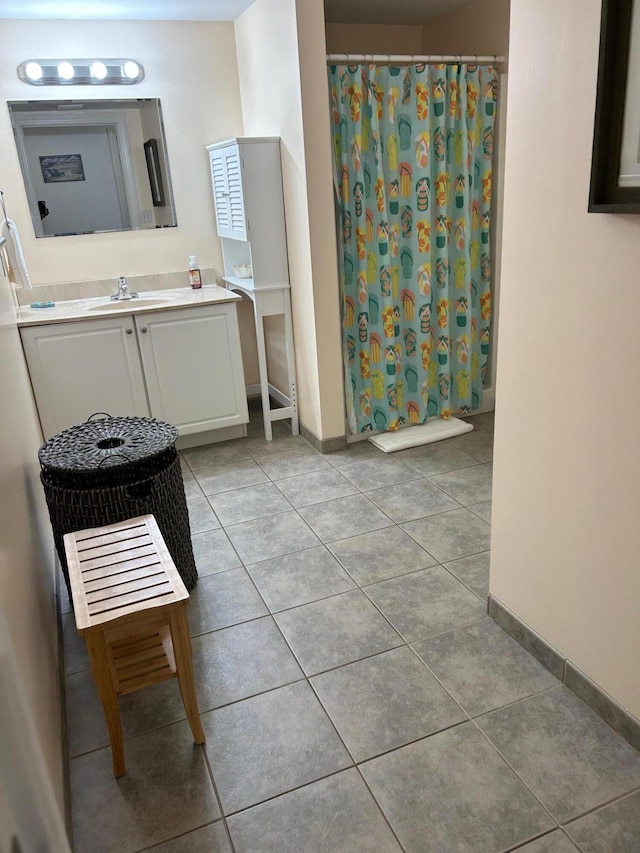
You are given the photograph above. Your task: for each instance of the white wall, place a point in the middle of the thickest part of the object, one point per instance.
(282, 69)
(75, 206)
(480, 26)
(566, 538)
(373, 38)
(191, 67)
(26, 547)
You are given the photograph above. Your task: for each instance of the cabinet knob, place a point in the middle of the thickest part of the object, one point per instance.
(144, 330)
(129, 331)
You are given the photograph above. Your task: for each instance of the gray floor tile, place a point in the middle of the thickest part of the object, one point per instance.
(425, 603)
(270, 744)
(208, 839)
(483, 510)
(166, 791)
(354, 452)
(568, 756)
(213, 552)
(381, 554)
(487, 418)
(553, 842)
(451, 534)
(75, 648)
(313, 488)
(613, 829)
(233, 475)
(192, 488)
(452, 791)
(139, 712)
(385, 701)
(368, 474)
(224, 599)
(257, 445)
(473, 571)
(241, 661)
(344, 517)
(468, 485)
(336, 631)
(412, 500)
(334, 815)
(210, 455)
(483, 668)
(278, 466)
(436, 458)
(248, 503)
(201, 516)
(300, 578)
(265, 538)
(478, 443)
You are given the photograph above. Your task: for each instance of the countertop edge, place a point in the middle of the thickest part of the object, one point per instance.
(77, 310)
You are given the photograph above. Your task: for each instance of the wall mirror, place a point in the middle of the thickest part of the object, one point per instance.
(95, 165)
(615, 167)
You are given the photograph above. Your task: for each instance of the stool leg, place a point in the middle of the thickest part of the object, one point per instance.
(98, 656)
(184, 668)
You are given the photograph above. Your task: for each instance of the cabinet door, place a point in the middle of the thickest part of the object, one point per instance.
(193, 367)
(77, 369)
(226, 177)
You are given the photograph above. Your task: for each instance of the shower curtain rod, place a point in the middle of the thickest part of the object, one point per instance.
(407, 59)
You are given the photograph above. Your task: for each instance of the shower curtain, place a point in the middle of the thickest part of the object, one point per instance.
(413, 153)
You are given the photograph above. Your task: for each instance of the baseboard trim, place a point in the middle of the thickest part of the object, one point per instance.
(323, 445)
(627, 725)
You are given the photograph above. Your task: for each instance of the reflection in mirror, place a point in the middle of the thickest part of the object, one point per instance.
(629, 174)
(86, 167)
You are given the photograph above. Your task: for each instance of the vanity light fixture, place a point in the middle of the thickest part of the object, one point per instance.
(80, 72)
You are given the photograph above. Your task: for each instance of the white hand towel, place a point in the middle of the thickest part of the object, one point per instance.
(18, 272)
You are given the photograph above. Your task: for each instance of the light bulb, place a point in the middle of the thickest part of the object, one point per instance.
(66, 71)
(131, 69)
(98, 70)
(33, 71)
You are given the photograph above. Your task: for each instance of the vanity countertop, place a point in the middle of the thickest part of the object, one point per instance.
(71, 310)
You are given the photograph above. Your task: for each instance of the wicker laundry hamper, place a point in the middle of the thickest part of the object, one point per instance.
(114, 468)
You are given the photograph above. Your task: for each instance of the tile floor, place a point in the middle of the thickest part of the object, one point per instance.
(354, 695)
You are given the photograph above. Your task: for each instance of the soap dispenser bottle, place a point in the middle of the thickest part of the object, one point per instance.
(195, 278)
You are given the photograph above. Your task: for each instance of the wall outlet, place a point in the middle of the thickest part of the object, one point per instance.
(146, 216)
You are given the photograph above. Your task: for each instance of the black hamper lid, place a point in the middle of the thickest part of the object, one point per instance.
(107, 452)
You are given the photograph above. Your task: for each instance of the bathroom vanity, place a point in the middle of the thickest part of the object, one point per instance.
(171, 354)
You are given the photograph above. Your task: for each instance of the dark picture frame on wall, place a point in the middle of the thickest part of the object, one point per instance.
(155, 174)
(615, 164)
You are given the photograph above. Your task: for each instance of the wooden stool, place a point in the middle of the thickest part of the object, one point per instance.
(130, 605)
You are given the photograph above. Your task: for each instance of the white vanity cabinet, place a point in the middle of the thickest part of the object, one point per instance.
(193, 367)
(80, 368)
(182, 365)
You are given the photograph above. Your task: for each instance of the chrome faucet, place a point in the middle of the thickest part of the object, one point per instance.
(123, 291)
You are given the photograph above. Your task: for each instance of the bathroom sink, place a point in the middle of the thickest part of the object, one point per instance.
(129, 304)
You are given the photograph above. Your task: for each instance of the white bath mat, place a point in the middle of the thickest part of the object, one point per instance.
(434, 430)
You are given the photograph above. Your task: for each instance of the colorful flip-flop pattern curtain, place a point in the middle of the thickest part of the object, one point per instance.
(413, 155)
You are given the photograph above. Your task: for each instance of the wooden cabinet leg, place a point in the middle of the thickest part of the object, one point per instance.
(98, 657)
(184, 666)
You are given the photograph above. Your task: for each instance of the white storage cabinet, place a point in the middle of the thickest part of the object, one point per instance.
(182, 365)
(246, 177)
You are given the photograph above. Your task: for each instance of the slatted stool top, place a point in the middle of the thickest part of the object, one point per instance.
(119, 570)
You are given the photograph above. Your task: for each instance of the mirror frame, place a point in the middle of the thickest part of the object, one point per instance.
(605, 195)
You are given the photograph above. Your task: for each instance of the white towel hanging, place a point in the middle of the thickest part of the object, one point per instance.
(18, 272)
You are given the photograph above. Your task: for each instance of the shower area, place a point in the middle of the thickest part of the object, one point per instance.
(417, 112)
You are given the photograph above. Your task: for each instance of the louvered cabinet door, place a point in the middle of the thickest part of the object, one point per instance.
(226, 177)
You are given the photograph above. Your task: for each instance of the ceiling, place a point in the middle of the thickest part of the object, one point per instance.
(133, 10)
(336, 11)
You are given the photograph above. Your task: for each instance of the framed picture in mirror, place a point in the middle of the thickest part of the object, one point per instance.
(155, 175)
(615, 164)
